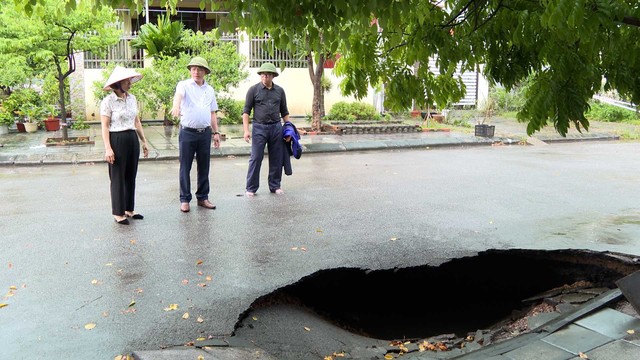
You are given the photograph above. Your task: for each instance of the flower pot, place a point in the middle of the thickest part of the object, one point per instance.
(20, 127)
(4, 129)
(31, 127)
(485, 130)
(52, 124)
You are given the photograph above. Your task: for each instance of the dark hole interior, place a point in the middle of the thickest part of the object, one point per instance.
(457, 297)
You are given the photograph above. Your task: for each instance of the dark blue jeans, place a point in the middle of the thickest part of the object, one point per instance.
(271, 136)
(199, 145)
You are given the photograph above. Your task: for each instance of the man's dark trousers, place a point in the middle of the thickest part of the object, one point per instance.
(271, 136)
(198, 144)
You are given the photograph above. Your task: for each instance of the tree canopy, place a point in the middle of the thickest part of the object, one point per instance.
(567, 49)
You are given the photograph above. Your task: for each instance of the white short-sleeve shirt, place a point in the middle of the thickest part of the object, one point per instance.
(121, 111)
(198, 102)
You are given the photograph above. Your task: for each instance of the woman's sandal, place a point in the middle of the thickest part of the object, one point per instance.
(136, 216)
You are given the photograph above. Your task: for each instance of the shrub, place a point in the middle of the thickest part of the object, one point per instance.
(231, 111)
(353, 111)
(21, 98)
(609, 113)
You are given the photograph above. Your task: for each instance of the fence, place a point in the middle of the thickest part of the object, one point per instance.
(121, 54)
(263, 50)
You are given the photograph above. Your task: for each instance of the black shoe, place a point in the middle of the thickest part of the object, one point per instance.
(136, 216)
(122, 222)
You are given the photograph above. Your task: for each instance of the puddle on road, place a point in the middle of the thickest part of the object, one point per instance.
(457, 297)
(617, 229)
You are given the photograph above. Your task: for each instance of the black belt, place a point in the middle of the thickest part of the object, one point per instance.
(196, 130)
(267, 123)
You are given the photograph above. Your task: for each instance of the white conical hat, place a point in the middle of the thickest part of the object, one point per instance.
(120, 73)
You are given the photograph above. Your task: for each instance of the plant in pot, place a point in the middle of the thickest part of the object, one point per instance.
(33, 115)
(6, 120)
(52, 122)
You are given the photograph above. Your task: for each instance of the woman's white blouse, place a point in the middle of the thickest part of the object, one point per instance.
(122, 112)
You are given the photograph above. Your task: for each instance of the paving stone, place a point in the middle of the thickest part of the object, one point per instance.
(576, 339)
(541, 319)
(611, 323)
(538, 350)
(617, 350)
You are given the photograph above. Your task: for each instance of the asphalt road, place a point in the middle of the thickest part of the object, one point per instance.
(72, 265)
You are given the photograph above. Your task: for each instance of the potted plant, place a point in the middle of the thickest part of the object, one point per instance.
(482, 129)
(33, 115)
(6, 120)
(52, 122)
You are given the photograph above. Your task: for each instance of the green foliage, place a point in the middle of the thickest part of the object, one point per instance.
(157, 87)
(353, 111)
(6, 117)
(608, 113)
(231, 110)
(163, 39)
(507, 100)
(22, 97)
(570, 46)
(79, 124)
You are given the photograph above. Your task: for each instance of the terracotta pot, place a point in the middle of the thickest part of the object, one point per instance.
(52, 124)
(20, 127)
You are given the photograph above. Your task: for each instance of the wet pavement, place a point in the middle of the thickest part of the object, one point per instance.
(59, 255)
(31, 149)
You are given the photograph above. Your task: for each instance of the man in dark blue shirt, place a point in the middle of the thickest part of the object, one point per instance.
(269, 105)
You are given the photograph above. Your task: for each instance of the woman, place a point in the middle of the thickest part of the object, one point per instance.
(121, 128)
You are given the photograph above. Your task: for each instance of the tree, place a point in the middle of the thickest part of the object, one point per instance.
(567, 47)
(49, 36)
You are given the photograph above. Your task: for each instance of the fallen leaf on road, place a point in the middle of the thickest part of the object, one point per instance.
(202, 284)
(208, 278)
(94, 282)
(9, 294)
(132, 241)
(185, 282)
(200, 273)
(90, 326)
(13, 287)
(199, 262)
(294, 248)
(631, 332)
(133, 302)
(254, 318)
(105, 314)
(171, 307)
(307, 329)
(3, 305)
(583, 356)
(185, 315)
(319, 230)
(10, 265)
(200, 357)
(200, 339)
(138, 290)
(200, 320)
(303, 248)
(388, 357)
(108, 264)
(394, 238)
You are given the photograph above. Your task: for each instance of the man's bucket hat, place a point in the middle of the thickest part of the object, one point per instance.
(120, 73)
(198, 61)
(268, 68)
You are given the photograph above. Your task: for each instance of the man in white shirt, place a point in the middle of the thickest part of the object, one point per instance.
(195, 105)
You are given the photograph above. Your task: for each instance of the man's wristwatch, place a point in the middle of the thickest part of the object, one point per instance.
(216, 133)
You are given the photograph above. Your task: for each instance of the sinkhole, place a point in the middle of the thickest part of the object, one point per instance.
(457, 297)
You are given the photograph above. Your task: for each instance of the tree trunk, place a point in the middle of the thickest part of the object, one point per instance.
(71, 62)
(317, 106)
